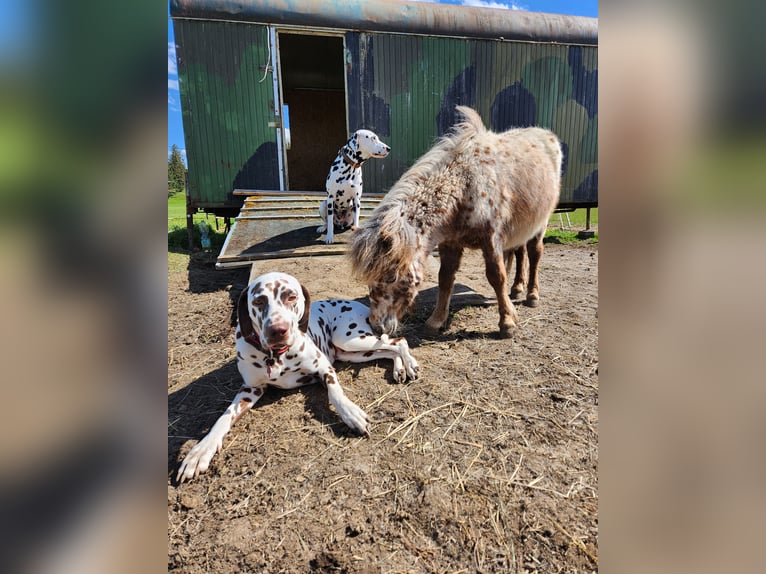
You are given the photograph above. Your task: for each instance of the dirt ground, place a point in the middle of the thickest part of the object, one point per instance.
(488, 463)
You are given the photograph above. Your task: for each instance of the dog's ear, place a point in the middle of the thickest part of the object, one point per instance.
(353, 141)
(303, 322)
(243, 314)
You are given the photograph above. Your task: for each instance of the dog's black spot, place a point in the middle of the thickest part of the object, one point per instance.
(247, 399)
(257, 365)
(348, 333)
(369, 353)
(239, 335)
(239, 356)
(289, 357)
(333, 303)
(352, 326)
(345, 309)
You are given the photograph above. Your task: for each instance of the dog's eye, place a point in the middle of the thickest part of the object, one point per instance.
(261, 301)
(292, 298)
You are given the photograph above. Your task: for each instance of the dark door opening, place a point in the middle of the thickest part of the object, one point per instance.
(313, 87)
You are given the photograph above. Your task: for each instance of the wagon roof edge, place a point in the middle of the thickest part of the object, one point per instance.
(402, 17)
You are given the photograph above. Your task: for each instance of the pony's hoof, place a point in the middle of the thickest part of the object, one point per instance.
(431, 331)
(532, 302)
(506, 332)
(516, 294)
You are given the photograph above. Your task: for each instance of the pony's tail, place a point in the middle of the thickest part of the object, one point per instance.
(471, 121)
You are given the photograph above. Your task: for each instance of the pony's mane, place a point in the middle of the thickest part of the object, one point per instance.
(385, 245)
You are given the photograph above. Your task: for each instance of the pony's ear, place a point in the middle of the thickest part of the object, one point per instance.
(303, 322)
(243, 315)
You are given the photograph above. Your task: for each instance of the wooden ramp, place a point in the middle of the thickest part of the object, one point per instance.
(278, 224)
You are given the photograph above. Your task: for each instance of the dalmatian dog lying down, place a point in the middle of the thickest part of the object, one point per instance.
(284, 340)
(344, 182)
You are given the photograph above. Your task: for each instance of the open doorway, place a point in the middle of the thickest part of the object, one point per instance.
(313, 87)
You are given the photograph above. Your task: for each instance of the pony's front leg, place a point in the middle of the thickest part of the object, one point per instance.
(496, 274)
(450, 262)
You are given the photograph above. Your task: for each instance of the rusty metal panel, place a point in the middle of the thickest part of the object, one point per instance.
(406, 88)
(227, 103)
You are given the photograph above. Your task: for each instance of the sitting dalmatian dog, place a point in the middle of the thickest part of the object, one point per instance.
(284, 340)
(344, 183)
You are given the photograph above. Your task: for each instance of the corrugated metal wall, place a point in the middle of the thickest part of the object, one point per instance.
(226, 106)
(406, 88)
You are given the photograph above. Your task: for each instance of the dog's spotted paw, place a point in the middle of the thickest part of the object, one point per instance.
(354, 417)
(198, 459)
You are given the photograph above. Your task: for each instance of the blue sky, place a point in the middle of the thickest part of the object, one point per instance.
(571, 7)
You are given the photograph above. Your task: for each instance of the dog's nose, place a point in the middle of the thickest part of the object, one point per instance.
(276, 330)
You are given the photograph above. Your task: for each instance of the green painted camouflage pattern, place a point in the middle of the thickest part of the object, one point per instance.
(404, 87)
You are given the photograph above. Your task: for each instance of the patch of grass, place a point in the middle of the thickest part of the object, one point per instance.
(176, 211)
(178, 240)
(565, 237)
(178, 262)
(574, 218)
(177, 235)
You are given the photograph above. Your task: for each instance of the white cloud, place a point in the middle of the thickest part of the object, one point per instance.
(172, 84)
(497, 5)
(173, 104)
(172, 67)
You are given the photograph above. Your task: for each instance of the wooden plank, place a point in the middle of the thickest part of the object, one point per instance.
(273, 193)
(273, 225)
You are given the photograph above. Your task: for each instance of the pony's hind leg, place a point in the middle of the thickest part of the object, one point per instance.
(520, 278)
(535, 252)
(497, 277)
(450, 262)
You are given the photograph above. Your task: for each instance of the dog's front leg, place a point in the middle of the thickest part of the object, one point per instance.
(357, 211)
(351, 414)
(329, 234)
(199, 457)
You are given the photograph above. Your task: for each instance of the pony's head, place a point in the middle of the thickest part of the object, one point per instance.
(384, 255)
(390, 299)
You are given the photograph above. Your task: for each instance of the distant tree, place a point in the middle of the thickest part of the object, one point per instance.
(176, 171)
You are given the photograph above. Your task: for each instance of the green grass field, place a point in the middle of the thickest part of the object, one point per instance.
(177, 236)
(562, 228)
